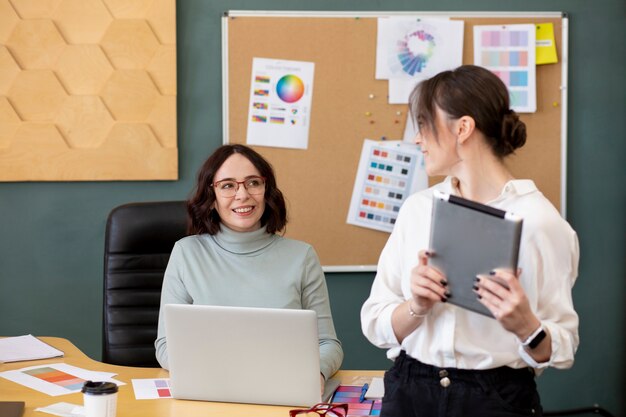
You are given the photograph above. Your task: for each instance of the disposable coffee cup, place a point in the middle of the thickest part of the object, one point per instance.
(100, 399)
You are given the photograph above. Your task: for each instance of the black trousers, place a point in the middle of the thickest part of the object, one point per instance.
(414, 389)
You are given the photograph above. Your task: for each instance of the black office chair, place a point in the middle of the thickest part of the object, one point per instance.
(138, 241)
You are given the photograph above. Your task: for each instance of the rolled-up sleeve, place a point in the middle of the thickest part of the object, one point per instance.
(555, 265)
(386, 293)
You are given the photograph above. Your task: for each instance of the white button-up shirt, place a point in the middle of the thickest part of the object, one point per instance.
(454, 337)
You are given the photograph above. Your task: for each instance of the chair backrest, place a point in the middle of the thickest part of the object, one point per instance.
(139, 238)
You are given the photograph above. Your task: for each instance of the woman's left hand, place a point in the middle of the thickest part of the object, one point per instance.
(502, 293)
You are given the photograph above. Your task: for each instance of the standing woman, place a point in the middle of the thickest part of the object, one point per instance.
(234, 256)
(450, 361)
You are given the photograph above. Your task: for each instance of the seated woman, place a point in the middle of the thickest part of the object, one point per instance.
(234, 256)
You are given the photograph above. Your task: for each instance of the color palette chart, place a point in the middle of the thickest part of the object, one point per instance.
(59, 378)
(149, 389)
(384, 180)
(280, 99)
(351, 395)
(509, 52)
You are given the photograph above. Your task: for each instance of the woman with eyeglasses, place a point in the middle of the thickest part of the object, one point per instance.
(450, 361)
(235, 256)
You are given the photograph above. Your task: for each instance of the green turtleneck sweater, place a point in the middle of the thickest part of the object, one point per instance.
(253, 269)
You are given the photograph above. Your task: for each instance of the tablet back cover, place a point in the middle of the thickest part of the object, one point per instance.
(469, 239)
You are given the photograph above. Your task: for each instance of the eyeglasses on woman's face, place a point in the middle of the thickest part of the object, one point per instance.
(322, 409)
(228, 188)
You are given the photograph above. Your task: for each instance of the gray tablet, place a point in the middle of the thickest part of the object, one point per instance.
(469, 238)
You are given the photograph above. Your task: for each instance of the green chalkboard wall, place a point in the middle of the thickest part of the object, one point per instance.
(52, 234)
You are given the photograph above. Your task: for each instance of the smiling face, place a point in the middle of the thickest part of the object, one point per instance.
(241, 213)
(438, 145)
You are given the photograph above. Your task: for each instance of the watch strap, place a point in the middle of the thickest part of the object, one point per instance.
(535, 338)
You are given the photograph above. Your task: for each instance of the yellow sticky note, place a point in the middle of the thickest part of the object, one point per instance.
(545, 45)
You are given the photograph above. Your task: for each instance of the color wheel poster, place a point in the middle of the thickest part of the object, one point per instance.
(388, 173)
(509, 52)
(412, 49)
(280, 103)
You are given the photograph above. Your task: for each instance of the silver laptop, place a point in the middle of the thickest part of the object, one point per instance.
(243, 354)
(469, 238)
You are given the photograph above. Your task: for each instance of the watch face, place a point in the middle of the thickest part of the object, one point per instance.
(537, 339)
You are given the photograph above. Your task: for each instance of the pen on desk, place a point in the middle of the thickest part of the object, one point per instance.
(363, 391)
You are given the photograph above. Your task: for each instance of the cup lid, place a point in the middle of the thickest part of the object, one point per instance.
(99, 388)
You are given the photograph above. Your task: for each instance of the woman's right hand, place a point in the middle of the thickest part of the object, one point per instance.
(428, 285)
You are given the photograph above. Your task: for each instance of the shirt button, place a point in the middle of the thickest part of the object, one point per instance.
(443, 373)
(445, 382)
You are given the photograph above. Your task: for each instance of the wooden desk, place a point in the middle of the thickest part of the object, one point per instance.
(127, 405)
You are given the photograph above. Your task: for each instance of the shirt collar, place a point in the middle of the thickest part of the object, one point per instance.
(513, 187)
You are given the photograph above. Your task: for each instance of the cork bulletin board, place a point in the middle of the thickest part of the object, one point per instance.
(350, 105)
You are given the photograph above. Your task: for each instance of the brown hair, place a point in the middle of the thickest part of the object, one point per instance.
(204, 219)
(472, 91)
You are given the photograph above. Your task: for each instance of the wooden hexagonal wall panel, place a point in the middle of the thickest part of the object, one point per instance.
(88, 90)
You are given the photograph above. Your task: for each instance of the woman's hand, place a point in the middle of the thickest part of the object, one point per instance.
(502, 293)
(428, 285)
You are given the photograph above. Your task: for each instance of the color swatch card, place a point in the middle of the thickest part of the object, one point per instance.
(386, 176)
(57, 378)
(351, 395)
(280, 103)
(509, 52)
(150, 389)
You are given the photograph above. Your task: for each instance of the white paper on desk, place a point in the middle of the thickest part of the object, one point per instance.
(68, 379)
(26, 348)
(63, 410)
(150, 389)
(376, 389)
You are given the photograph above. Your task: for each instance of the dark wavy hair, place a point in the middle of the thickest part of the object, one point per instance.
(472, 91)
(202, 218)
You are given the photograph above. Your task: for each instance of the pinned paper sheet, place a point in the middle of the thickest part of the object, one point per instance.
(509, 52)
(388, 173)
(546, 47)
(280, 103)
(411, 49)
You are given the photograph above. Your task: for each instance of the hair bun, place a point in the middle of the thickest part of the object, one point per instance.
(513, 132)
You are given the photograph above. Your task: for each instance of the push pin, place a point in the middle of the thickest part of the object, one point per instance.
(398, 113)
(371, 96)
(372, 122)
(368, 113)
(396, 121)
(383, 138)
(555, 104)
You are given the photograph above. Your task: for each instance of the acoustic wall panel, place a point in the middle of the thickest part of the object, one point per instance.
(88, 90)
